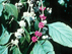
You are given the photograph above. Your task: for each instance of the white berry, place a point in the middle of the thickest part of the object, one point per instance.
(20, 4)
(45, 37)
(20, 30)
(18, 35)
(26, 14)
(15, 41)
(45, 21)
(22, 23)
(31, 5)
(50, 11)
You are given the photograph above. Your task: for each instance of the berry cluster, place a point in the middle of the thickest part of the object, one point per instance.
(40, 25)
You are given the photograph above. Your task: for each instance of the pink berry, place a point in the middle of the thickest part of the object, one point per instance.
(37, 33)
(34, 39)
(41, 25)
(40, 34)
(43, 17)
(42, 9)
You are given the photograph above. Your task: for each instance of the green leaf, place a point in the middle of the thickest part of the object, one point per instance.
(3, 50)
(31, 52)
(61, 2)
(2, 1)
(25, 4)
(16, 51)
(27, 35)
(13, 48)
(36, 24)
(6, 17)
(11, 10)
(5, 36)
(61, 33)
(22, 39)
(43, 47)
(1, 8)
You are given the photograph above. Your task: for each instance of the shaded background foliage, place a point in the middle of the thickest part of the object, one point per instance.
(59, 13)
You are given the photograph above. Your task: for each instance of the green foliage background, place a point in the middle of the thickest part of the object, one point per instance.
(58, 31)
